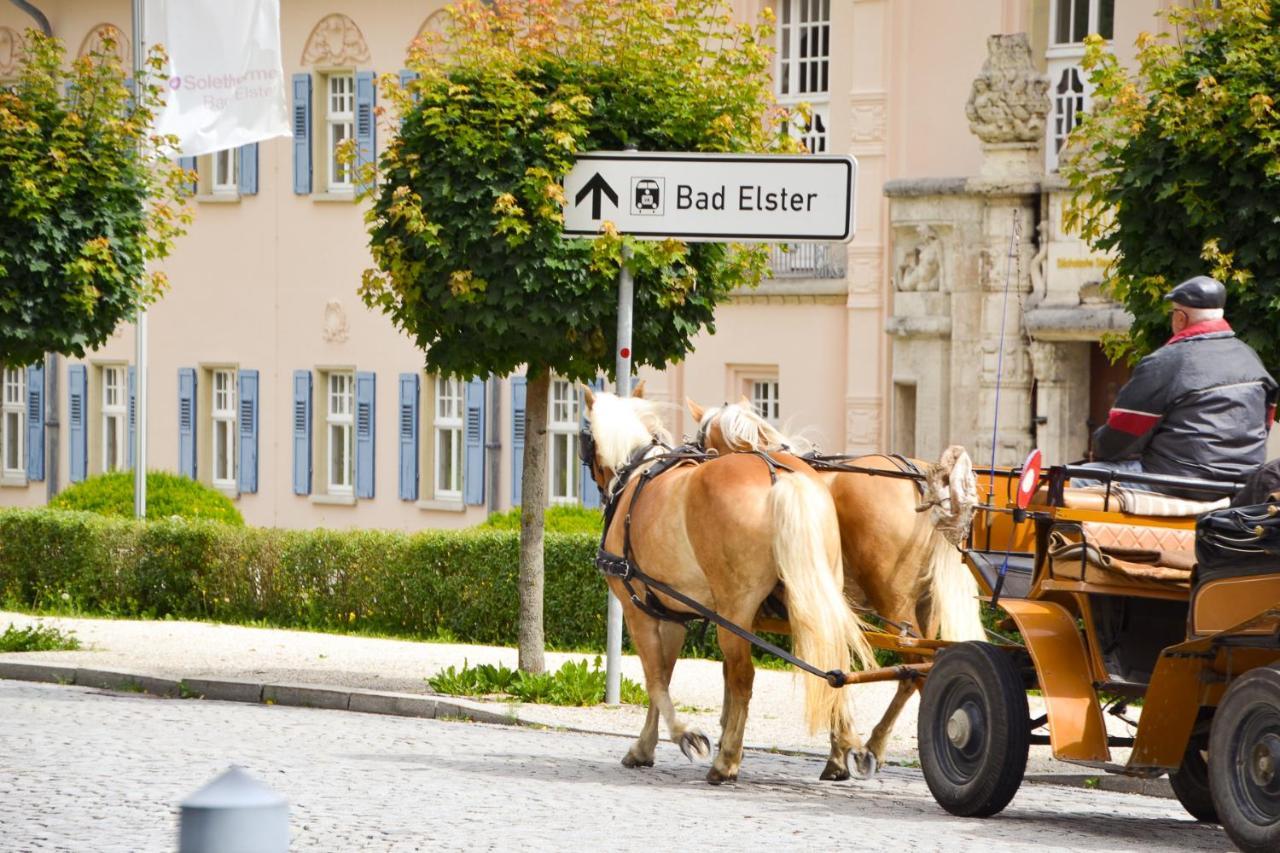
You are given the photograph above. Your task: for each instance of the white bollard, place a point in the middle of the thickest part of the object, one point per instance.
(234, 812)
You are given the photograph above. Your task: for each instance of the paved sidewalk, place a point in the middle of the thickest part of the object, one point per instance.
(257, 664)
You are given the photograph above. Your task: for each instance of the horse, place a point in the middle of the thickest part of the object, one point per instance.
(724, 532)
(900, 563)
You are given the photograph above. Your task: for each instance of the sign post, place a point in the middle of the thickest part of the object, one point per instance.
(740, 198)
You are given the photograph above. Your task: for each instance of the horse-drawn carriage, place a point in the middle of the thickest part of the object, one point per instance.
(1105, 607)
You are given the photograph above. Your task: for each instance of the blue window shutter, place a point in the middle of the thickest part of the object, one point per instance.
(473, 444)
(248, 177)
(408, 432)
(302, 432)
(587, 485)
(366, 427)
(302, 144)
(133, 413)
(187, 422)
(247, 394)
(35, 422)
(189, 163)
(366, 123)
(77, 416)
(407, 77)
(519, 391)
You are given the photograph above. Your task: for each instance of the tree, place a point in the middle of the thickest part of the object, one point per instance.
(1177, 169)
(85, 200)
(465, 223)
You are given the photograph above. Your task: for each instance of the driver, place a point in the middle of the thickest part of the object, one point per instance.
(1200, 406)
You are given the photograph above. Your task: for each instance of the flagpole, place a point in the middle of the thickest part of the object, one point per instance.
(140, 325)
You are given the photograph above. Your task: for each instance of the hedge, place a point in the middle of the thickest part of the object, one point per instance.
(167, 495)
(435, 584)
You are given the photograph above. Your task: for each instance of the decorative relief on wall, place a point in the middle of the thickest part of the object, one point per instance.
(868, 122)
(1009, 99)
(12, 52)
(435, 25)
(862, 424)
(918, 259)
(336, 330)
(865, 272)
(95, 42)
(335, 41)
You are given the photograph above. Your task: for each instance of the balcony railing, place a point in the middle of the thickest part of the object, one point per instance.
(807, 260)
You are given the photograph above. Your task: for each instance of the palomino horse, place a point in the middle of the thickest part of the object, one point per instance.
(724, 534)
(899, 562)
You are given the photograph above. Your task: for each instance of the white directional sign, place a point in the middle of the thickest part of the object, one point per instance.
(765, 198)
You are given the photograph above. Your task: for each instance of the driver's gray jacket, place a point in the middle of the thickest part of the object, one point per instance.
(1200, 406)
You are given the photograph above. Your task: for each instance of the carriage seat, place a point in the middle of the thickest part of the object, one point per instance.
(1133, 502)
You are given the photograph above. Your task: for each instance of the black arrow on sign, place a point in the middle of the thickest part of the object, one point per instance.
(597, 187)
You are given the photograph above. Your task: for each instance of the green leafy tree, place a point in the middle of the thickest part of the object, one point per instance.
(465, 226)
(86, 199)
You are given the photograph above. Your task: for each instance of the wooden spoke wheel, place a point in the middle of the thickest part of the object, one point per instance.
(974, 729)
(1244, 760)
(1190, 782)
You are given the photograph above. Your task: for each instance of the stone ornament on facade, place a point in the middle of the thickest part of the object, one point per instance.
(335, 42)
(868, 122)
(95, 41)
(336, 330)
(12, 52)
(1009, 99)
(920, 264)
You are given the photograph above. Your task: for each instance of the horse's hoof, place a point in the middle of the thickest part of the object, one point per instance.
(695, 742)
(715, 777)
(834, 772)
(866, 764)
(630, 760)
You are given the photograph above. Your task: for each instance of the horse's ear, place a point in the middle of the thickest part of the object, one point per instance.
(638, 390)
(587, 395)
(694, 409)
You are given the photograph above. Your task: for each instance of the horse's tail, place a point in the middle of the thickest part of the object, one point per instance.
(953, 592)
(823, 627)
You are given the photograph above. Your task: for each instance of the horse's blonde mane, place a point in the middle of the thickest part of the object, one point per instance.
(621, 424)
(742, 426)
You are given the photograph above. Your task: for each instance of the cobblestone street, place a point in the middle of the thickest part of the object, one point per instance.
(84, 770)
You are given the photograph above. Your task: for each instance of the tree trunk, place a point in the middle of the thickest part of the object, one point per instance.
(533, 505)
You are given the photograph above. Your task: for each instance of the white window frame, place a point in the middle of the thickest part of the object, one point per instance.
(765, 395)
(226, 179)
(115, 408)
(1064, 59)
(447, 426)
(223, 414)
(13, 410)
(340, 431)
(802, 74)
(340, 91)
(563, 415)
(1091, 24)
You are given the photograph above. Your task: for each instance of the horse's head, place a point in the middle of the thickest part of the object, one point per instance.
(952, 492)
(616, 427)
(736, 427)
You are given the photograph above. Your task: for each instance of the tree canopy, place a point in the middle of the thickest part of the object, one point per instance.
(1177, 169)
(465, 228)
(83, 202)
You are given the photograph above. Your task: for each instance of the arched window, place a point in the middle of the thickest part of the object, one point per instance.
(1068, 104)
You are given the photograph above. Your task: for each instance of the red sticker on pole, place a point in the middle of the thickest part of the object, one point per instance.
(625, 352)
(1030, 479)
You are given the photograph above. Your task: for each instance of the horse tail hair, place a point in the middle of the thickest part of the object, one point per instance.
(953, 592)
(824, 629)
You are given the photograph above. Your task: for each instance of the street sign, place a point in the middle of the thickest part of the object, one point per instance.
(762, 198)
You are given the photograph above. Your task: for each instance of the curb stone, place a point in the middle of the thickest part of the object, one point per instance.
(412, 705)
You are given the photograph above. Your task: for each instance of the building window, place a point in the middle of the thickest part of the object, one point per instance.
(562, 428)
(764, 399)
(13, 427)
(115, 411)
(224, 172)
(447, 424)
(804, 33)
(1068, 105)
(340, 126)
(1075, 19)
(223, 412)
(340, 431)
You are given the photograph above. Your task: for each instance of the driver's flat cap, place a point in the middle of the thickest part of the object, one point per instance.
(1199, 292)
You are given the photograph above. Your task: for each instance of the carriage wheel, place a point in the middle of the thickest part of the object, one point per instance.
(1190, 782)
(974, 729)
(1244, 760)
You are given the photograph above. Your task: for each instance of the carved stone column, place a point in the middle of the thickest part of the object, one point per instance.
(1007, 108)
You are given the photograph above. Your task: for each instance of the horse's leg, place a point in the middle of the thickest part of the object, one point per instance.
(739, 676)
(845, 741)
(671, 641)
(884, 729)
(646, 636)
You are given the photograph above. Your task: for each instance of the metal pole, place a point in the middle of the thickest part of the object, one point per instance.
(140, 326)
(613, 639)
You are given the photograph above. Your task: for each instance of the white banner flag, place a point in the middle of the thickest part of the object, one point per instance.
(226, 84)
